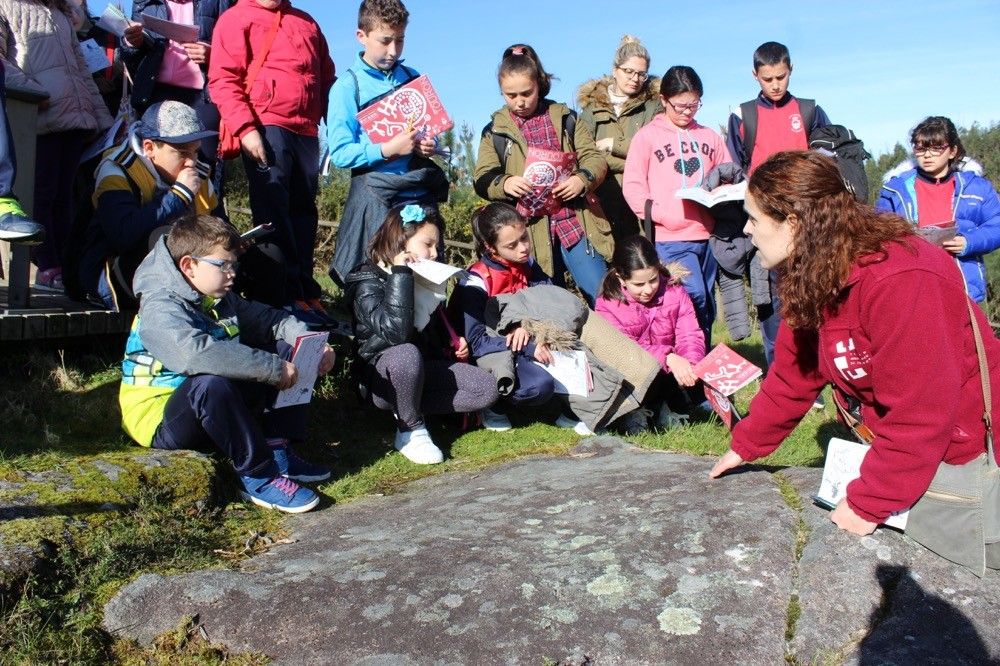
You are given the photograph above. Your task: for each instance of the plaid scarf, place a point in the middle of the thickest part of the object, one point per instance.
(539, 132)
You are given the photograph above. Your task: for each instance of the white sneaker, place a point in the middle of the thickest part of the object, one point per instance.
(418, 447)
(579, 427)
(668, 419)
(495, 422)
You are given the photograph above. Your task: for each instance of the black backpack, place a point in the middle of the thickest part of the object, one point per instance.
(850, 153)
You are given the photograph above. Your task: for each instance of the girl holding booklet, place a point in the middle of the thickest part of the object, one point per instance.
(505, 266)
(410, 360)
(674, 152)
(937, 194)
(644, 299)
(568, 228)
(884, 318)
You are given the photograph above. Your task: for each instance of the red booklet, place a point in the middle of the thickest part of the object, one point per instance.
(544, 169)
(415, 105)
(726, 371)
(723, 406)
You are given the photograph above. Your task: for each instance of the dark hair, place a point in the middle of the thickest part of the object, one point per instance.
(632, 254)
(938, 131)
(391, 237)
(197, 235)
(771, 53)
(522, 59)
(680, 79)
(487, 222)
(833, 230)
(390, 13)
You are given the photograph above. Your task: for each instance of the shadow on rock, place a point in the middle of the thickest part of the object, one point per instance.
(913, 626)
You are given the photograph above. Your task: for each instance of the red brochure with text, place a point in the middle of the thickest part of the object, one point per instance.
(544, 169)
(415, 105)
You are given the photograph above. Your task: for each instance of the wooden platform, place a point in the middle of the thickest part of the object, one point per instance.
(52, 315)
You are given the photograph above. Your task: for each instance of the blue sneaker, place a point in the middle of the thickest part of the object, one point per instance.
(278, 493)
(292, 467)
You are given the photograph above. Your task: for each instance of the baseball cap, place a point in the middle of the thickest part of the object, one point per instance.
(172, 122)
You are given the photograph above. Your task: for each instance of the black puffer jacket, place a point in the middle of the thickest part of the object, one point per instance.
(382, 308)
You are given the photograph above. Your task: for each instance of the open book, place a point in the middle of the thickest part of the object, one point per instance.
(843, 465)
(415, 105)
(721, 194)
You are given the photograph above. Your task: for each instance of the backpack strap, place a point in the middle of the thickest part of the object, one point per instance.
(748, 113)
(410, 75)
(357, 89)
(570, 126)
(807, 107)
(647, 221)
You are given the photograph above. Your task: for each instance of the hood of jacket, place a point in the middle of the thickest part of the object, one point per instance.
(595, 93)
(158, 272)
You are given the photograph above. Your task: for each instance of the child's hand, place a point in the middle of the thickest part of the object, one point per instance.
(133, 35)
(189, 178)
(682, 370)
(329, 358)
(517, 186)
(198, 52)
(289, 375)
(956, 245)
(403, 258)
(253, 146)
(517, 338)
(402, 144)
(570, 188)
(543, 355)
(426, 147)
(462, 353)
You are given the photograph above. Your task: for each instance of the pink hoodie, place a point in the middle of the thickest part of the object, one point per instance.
(664, 158)
(667, 324)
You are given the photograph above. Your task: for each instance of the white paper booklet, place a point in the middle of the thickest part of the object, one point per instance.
(571, 372)
(178, 32)
(720, 194)
(308, 353)
(843, 465)
(434, 272)
(95, 56)
(114, 21)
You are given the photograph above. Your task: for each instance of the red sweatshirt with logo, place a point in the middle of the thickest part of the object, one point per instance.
(901, 343)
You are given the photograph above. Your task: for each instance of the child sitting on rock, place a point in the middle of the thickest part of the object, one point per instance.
(202, 365)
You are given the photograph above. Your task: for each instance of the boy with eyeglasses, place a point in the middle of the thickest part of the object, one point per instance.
(143, 184)
(202, 365)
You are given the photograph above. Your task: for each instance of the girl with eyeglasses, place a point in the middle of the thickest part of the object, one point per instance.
(670, 153)
(937, 193)
(614, 108)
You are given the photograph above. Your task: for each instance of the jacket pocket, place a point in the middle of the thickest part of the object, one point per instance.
(262, 93)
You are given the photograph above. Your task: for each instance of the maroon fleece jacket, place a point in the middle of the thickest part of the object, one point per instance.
(901, 343)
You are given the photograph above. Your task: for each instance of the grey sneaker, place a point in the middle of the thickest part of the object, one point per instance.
(16, 228)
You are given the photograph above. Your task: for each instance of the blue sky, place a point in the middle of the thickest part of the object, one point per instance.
(878, 67)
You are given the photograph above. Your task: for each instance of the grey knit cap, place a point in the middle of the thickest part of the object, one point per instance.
(172, 122)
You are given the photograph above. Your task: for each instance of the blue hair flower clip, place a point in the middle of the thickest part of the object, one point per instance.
(412, 213)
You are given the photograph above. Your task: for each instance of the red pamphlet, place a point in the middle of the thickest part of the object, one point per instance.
(723, 406)
(544, 169)
(415, 105)
(726, 371)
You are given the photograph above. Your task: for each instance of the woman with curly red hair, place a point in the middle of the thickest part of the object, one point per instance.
(879, 313)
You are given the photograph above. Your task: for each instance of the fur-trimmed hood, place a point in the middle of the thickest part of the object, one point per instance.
(595, 93)
(678, 272)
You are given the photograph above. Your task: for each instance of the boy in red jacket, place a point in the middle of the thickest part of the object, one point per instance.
(276, 118)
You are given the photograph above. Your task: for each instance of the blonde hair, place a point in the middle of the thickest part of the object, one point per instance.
(630, 47)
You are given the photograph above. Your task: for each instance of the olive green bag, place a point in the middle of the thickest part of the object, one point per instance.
(959, 516)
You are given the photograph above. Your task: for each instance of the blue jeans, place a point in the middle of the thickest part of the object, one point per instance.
(8, 161)
(698, 259)
(584, 263)
(769, 320)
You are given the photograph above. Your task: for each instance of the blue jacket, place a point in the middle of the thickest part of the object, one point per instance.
(348, 144)
(976, 211)
(144, 62)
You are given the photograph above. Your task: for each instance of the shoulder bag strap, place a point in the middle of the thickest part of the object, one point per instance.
(984, 379)
(258, 62)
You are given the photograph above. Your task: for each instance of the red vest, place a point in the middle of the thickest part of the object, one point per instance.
(778, 128)
(497, 281)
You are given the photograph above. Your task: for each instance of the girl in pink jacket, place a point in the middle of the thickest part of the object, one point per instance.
(646, 301)
(670, 153)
